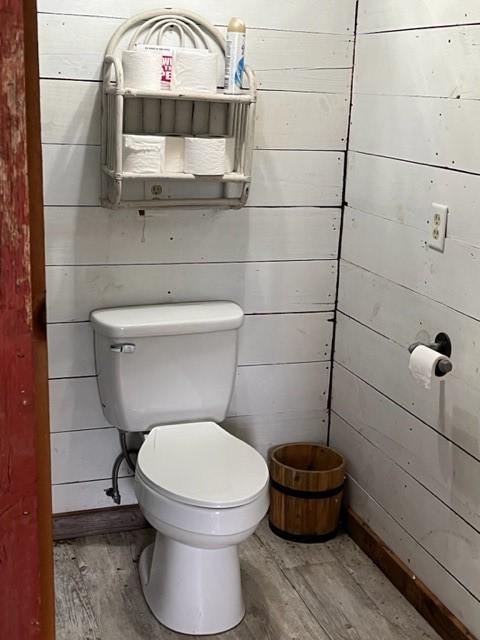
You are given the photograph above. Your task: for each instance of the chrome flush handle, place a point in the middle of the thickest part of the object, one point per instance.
(124, 347)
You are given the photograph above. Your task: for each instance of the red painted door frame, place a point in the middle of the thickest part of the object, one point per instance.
(26, 577)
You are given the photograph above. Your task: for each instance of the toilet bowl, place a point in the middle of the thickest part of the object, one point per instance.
(169, 370)
(202, 503)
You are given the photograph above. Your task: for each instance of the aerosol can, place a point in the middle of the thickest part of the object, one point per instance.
(234, 55)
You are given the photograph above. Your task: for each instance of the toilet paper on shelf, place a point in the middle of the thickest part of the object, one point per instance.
(229, 155)
(167, 116)
(151, 115)
(144, 69)
(133, 115)
(423, 362)
(201, 112)
(217, 121)
(205, 156)
(183, 116)
(194, 70)
(143, 154)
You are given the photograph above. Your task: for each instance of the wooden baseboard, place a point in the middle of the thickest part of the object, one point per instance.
(445, 623)
(97, 521)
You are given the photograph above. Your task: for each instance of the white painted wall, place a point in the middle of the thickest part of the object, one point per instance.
(277, 257)
(413, 455)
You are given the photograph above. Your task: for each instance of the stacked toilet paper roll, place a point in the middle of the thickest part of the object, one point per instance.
(208, 156)
(194, 70)
(143, 154)
(142, 69)
(153, 154)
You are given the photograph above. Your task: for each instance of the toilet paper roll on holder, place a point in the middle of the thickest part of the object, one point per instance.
(443, 345)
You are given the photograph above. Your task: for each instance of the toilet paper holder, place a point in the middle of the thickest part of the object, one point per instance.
(442, 345)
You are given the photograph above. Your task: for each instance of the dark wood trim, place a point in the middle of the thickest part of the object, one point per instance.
(97, 521)
(39, 321)
(26, 568)
(445, 623)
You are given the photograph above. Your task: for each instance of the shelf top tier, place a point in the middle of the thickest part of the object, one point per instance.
(128, 92)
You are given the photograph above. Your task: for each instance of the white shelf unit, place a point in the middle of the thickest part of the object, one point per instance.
(126, 190)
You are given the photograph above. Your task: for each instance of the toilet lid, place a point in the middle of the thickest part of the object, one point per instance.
(201, 464)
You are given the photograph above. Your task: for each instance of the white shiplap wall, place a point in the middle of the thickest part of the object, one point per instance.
(277, 257)
(414, 455)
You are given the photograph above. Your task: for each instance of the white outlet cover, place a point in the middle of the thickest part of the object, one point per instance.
(438, 227)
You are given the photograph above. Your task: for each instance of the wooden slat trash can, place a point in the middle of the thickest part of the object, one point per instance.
(306, 490)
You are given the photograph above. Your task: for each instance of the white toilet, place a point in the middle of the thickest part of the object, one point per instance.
(202, 489)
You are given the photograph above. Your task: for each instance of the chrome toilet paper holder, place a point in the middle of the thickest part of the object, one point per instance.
(442, 345)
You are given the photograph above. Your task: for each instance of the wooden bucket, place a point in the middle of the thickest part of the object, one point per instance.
(306, 489)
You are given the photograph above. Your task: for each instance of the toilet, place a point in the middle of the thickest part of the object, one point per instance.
(169, 370)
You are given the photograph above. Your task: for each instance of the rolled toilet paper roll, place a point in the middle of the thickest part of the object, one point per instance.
(151, 115)
(217, 121)
(167, 116)
(183, 117)
(194, 70)
(133, 115)
(142, 69)
(205, 156)
(229, 155)
(422, 365)
(143, 154)
(201, 112)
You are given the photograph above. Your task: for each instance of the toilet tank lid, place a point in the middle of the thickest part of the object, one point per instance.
(167, 319)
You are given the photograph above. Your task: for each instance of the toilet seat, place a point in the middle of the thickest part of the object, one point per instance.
(201, 464)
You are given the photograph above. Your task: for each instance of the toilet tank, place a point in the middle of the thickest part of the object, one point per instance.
(166, 363)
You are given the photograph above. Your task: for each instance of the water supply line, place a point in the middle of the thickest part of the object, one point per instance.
(126, 455)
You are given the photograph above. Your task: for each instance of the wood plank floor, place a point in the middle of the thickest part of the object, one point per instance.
(293, 592)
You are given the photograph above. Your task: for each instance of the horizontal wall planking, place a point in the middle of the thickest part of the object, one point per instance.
(272, 389)
(279, 178)
(427, 130)
(81, 496)
(449, 590)
(294, 120)
(378, 185)
(259, 390)
(80, 456)
(330, 16)
(450, 406)
(75, 405)
(400, 253)
(258, 287)
(84, 235)
(447, 471)
(414, 14)
(444, 535)
(264, 339)
(266, 431)
(70, 112)
(336, 81)
(285, 120)
(73, 47)
(429, 62)
(405, 317)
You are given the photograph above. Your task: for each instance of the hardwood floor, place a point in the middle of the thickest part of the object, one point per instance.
(293, 592)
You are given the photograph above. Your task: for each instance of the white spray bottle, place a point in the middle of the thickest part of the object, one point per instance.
(234, 55)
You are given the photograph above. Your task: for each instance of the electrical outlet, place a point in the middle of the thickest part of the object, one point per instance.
(153, 189)
(438, 227)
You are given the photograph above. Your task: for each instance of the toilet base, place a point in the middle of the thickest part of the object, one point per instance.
(192, 590)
